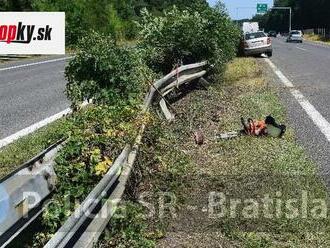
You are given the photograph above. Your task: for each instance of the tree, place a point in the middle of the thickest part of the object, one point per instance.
(116, 17)
(15, 5)
(305, 14)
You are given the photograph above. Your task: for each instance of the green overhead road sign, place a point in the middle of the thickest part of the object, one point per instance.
(262, 7)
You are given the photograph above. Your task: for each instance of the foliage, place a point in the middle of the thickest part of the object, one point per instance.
(15, 5)
(15, 154)
(105, 72)
(187, 36)
(306, 14)
(116, 78)
(76, 24)
(84, 16)
(231, 166)
(108, 73)
(127, 229)
(96, 138)
(105, 16)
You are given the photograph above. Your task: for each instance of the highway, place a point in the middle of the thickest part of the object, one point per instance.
(30, 91)
(306, 65)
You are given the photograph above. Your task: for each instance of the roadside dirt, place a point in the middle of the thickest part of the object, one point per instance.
(242, 168)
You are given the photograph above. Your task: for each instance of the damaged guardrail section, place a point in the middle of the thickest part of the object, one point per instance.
(71, 233)
(84, 227)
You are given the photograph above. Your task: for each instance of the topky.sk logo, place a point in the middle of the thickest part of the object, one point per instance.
(21, 33)
(32, 33)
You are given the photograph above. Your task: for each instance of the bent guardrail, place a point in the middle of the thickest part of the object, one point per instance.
(67, 235)
(84, 227)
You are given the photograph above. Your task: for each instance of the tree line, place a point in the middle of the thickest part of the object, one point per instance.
(306, 14)
(116, 17)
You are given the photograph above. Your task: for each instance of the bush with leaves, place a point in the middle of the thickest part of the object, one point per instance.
(187, 36)
(97, 136)
(116, 78)
(105, 72)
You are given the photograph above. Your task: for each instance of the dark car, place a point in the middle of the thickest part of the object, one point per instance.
(272, 34)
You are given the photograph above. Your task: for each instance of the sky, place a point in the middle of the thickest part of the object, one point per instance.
(241, 9)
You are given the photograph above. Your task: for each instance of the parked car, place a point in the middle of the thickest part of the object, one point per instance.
(256, 44)
(295, 36)
(272, 33)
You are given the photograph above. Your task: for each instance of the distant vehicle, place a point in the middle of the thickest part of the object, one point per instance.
(250, 27)
(296, 36)
(272, 34)
(257, 43)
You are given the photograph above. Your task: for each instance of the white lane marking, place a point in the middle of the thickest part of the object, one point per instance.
(316, 117)
(6, 141)
(35, 63)
(301, 48)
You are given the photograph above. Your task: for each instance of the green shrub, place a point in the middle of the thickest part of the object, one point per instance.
(105, 72)
(187, 36)
(109, 73)
(96, 138)
(222, 35)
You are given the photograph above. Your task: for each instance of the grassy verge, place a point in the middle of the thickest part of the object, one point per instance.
(95, 137)
(246, 170)
(317, 38)
(22, 150)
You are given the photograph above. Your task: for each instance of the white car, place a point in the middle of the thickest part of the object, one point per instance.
(257, 43)
(296, 36)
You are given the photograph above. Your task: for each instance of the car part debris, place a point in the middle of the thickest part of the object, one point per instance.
(229, 135)
(274, 129)
(254, 127)
(199, 137)
(267, 127)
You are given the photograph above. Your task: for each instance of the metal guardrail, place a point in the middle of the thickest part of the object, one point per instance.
(23, 192)
(84, 227)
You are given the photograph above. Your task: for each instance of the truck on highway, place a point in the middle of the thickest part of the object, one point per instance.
(250, 27)
(254, 41)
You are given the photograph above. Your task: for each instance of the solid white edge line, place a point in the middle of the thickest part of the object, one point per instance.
(300, 48)
(8, 140)
(311, 111)
(35, 63)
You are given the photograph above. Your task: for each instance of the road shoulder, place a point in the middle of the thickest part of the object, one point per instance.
(242, 170)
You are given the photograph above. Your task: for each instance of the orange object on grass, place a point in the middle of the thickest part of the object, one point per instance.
(256, 127)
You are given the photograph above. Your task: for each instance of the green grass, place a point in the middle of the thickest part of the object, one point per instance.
(242, 168)
(317, 38)
(266, 165)
(127, 231)
(22, 150)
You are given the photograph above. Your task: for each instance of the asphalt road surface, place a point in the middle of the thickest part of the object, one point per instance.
(31, 93)
(307, 66)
